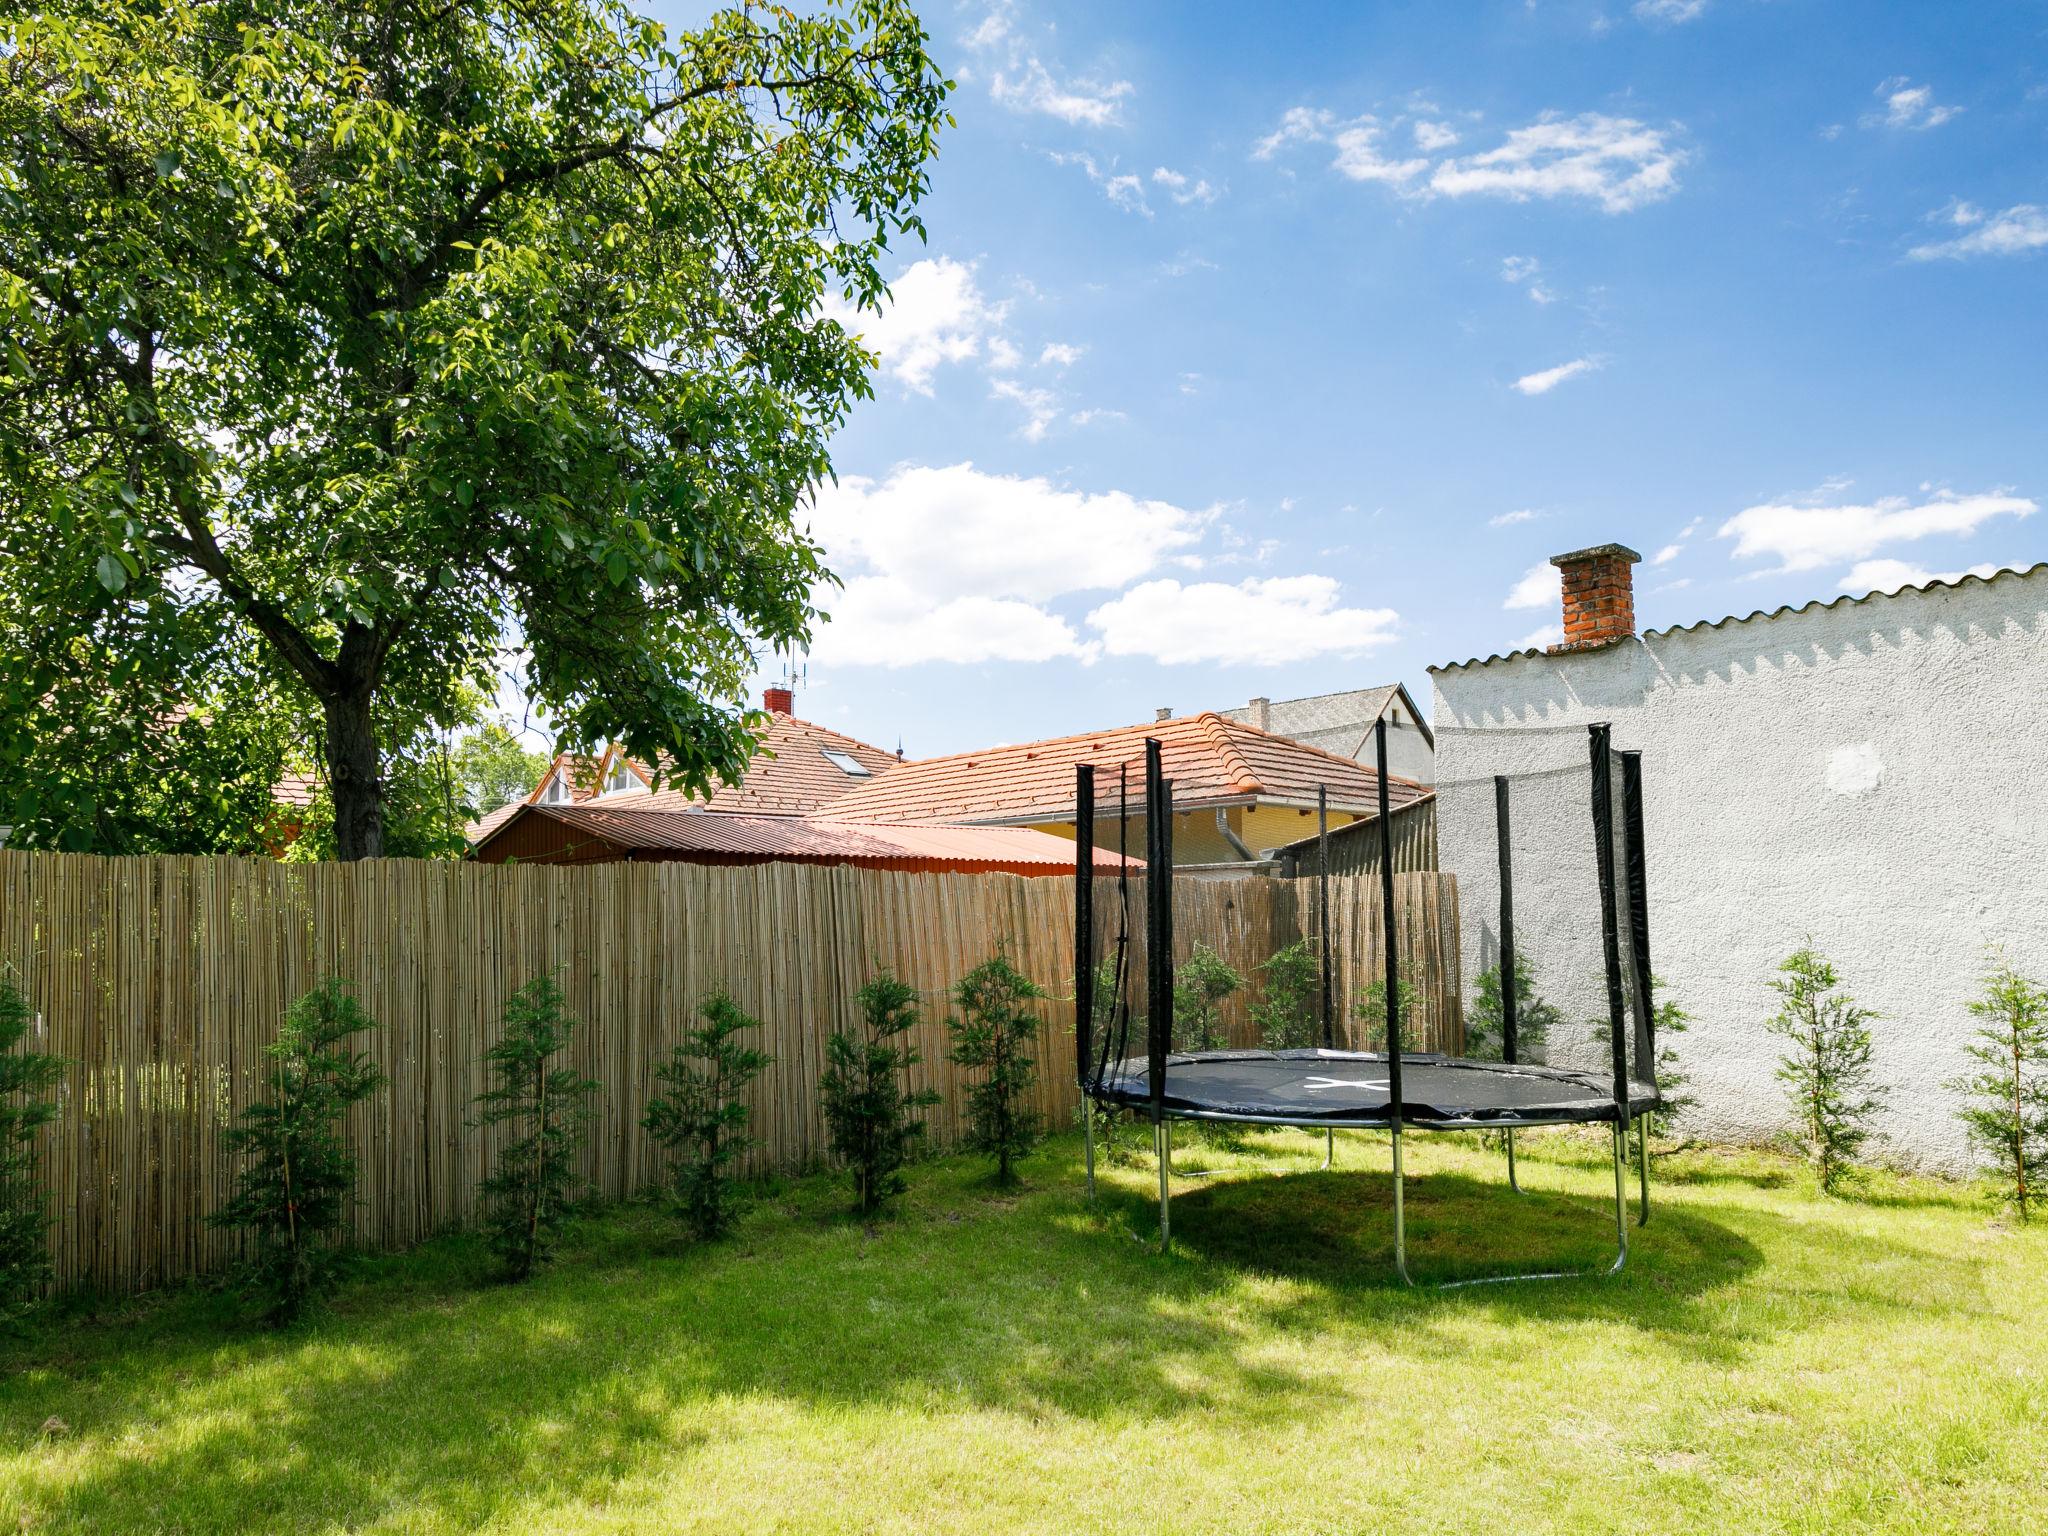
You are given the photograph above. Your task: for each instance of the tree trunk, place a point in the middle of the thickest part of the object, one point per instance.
(352, 763)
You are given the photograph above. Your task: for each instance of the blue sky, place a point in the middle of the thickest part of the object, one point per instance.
(1263, 350)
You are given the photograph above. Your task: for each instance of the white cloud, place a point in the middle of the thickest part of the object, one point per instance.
(935, 314)
(2021, 228)
(1541, 586)
(1027, 85)
(1184, 189)
(1041, 406)
(1060, 354)
(1671, 12)
(1890, 575)
(1908, 106)
(1541, 639)
(1263, 620)
(1124, 189)
(1003, 354)
(1509, 519)
(1807, 536)
(941, 532)
(1543, 383)
(1667, 554)
(1097, 413)
(1431, 137)
(1616, 162)
(1523, 270)
(876, 623)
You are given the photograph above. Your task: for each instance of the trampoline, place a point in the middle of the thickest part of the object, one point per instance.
(1394, 1090)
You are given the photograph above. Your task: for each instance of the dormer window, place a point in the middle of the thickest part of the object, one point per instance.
(557, 791)
(622, 777)
(846, 764)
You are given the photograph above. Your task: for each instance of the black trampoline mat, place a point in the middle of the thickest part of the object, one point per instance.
(1351, 1088)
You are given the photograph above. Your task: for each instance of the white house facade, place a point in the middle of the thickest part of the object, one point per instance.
(1869, 775)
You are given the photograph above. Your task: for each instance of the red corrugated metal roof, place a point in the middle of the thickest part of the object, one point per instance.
(719, 838)
(1210, 759)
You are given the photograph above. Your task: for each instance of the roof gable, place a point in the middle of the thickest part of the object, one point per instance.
(788, 775)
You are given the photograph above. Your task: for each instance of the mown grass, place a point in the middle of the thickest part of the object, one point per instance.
(981, 1362)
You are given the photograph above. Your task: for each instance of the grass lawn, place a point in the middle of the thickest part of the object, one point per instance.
(979, 1362)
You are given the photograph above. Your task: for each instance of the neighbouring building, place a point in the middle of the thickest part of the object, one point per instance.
(1861, 774)
(1343, 723)
(1239, 791)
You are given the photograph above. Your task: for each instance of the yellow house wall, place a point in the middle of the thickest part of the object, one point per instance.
(1195, 838)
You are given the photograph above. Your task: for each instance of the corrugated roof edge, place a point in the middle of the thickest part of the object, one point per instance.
(1812, 605)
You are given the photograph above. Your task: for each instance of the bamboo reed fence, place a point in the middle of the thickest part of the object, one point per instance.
(160, 980)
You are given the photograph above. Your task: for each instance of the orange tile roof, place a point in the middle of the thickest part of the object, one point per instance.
(788, 775)
(1212, 761)
(615, 827)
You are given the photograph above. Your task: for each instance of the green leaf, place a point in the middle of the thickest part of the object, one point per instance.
(112, 573)
(167, 164)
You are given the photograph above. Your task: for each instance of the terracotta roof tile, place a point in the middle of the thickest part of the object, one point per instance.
(1210, 759)
(789, 775)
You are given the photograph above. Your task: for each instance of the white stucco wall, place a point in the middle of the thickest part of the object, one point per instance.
(1873, 775)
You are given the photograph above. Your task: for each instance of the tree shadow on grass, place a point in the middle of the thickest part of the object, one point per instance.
(423, 1397)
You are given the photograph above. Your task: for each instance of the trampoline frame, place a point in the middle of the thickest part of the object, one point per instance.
(1090, 1069)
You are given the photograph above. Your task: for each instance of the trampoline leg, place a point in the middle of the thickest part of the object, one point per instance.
(1088, 1140)
(1400, 1216)
(1329, 1148)
(1620, 1197)
(1643, 1168)
(1163, 1140)
(1513, 1182)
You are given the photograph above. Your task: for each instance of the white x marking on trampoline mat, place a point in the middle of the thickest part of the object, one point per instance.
(1347, 1082)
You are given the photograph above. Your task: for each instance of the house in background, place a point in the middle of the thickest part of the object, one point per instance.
(1343, 723)
(1859, 774)
(1238, 790)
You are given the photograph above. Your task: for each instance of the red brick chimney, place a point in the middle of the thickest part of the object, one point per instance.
(779, 701)
(1599, 596)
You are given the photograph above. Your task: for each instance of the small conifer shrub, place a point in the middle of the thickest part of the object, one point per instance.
(293, 1195)
(28, 1081)
(1827, 1069)
(993, 1034)
(2006, 1110)
(699, 1115)
(545, 1103)
(1288, 1013)
(1485, 1028)
(1371, 1014)
(1669, 1021)
(871, 1112)
(1200, 986)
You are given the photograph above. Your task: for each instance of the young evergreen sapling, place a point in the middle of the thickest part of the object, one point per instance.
(293, 1195)
(1288, 1013)
(870, 1109)
(1827, 1071)
(1201, 984)
(1669, 1020)
(993, 1034)
(1485, 1027)
(2007, 1112)
(528, 1194)
(1371, 1014)
(27, 1080)
(699, 1116)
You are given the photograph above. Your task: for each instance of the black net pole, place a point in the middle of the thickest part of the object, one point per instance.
(1639, 913)
(1509, 1002)
(1393, 977)
(1323, 914)
(1610, 935)
(1158, 930)
(1084, 924)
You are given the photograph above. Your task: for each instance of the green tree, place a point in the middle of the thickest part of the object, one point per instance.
(870, 1109)
(1670, 1021)
(1485, 1036)
(2006, 1114)
(993, 1034)
(1288, 1012)
(293, 1195)
(699, 1116)
(1827, 1071)
(527, 1195)
(27, 1081)
(492, 768)
(400, 335)
(1371, 1013)
(1205, 979)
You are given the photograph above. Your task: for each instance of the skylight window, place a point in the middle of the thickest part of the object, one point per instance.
(847, 765)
